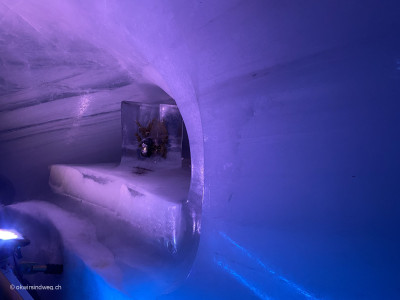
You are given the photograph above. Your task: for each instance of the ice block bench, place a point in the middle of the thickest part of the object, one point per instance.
(150, 200)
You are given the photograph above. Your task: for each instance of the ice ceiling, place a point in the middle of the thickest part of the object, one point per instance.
(75, 78)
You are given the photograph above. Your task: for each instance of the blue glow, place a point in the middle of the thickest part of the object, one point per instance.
(242, 280)
(267, 269)
(89, 285)
(8, 235)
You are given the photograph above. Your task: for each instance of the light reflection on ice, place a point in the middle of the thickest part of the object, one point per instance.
(83, 105)
(290, 285)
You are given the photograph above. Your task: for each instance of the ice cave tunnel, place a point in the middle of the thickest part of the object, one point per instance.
(199, 149)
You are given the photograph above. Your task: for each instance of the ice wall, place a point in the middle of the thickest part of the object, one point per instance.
(292, 115)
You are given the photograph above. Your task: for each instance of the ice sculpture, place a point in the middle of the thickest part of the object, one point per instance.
(163, 124)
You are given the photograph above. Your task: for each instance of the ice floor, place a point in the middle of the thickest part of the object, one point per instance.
(297, 265)
(104, 256)
(113, 262)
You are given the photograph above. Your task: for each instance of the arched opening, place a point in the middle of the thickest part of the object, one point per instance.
(114, 221)
(60, 123)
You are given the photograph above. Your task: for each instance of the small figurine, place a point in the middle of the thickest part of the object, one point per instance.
(152, 139)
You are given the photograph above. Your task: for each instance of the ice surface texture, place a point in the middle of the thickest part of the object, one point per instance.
(103, 256)
(150, 200)
(291, 110)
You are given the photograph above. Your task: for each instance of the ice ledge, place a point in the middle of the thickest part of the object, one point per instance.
(151, 201)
